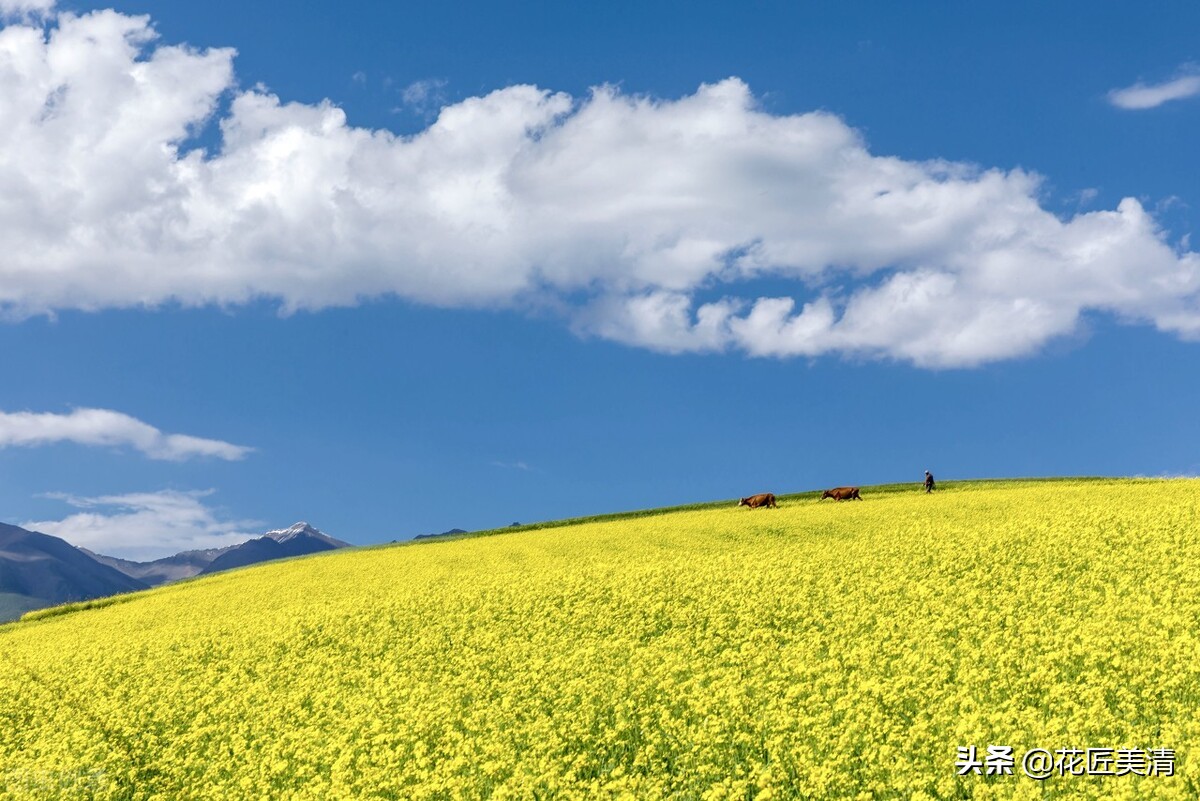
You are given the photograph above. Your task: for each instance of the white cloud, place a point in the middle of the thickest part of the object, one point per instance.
(426, 94)
(512, 465)
(1142, 96)
(25, 8)
(623, 213)
(106, 428)
(146, 525)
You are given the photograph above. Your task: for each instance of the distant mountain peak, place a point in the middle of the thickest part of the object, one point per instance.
(449, 533)
(294, 530)
(303, 529)
(294, 540)
(291, 541)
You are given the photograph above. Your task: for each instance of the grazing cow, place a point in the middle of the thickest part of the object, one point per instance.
(755, 501)
(842, 494)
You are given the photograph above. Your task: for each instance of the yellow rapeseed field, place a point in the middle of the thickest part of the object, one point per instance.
(820, 650)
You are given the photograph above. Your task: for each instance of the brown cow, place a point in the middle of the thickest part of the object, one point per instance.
(842, 494)
(755, 501)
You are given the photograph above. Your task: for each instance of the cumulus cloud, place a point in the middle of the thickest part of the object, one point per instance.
(642, 220)
(106, 428)
(1142, 96)
(25, 8)
(145, 525)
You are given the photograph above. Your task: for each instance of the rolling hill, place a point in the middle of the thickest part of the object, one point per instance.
(818, 650)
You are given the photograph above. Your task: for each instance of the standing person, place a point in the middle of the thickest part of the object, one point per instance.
(928, 481)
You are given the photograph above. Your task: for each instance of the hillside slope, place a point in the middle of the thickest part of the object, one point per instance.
(818, 650)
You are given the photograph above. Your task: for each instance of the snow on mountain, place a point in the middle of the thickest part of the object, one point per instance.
(303, 529)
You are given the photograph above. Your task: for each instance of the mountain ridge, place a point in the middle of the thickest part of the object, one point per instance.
(44, 570)
(295, 540)
(38, 570)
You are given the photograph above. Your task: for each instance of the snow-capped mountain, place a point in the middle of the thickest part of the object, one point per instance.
(296, 540)
(280, 543)
(303, 529)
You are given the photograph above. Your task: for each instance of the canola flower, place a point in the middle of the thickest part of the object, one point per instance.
(820, 650)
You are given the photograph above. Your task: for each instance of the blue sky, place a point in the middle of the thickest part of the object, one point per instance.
(393, 270)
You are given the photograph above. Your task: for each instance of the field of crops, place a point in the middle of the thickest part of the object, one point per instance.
(818, 650)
